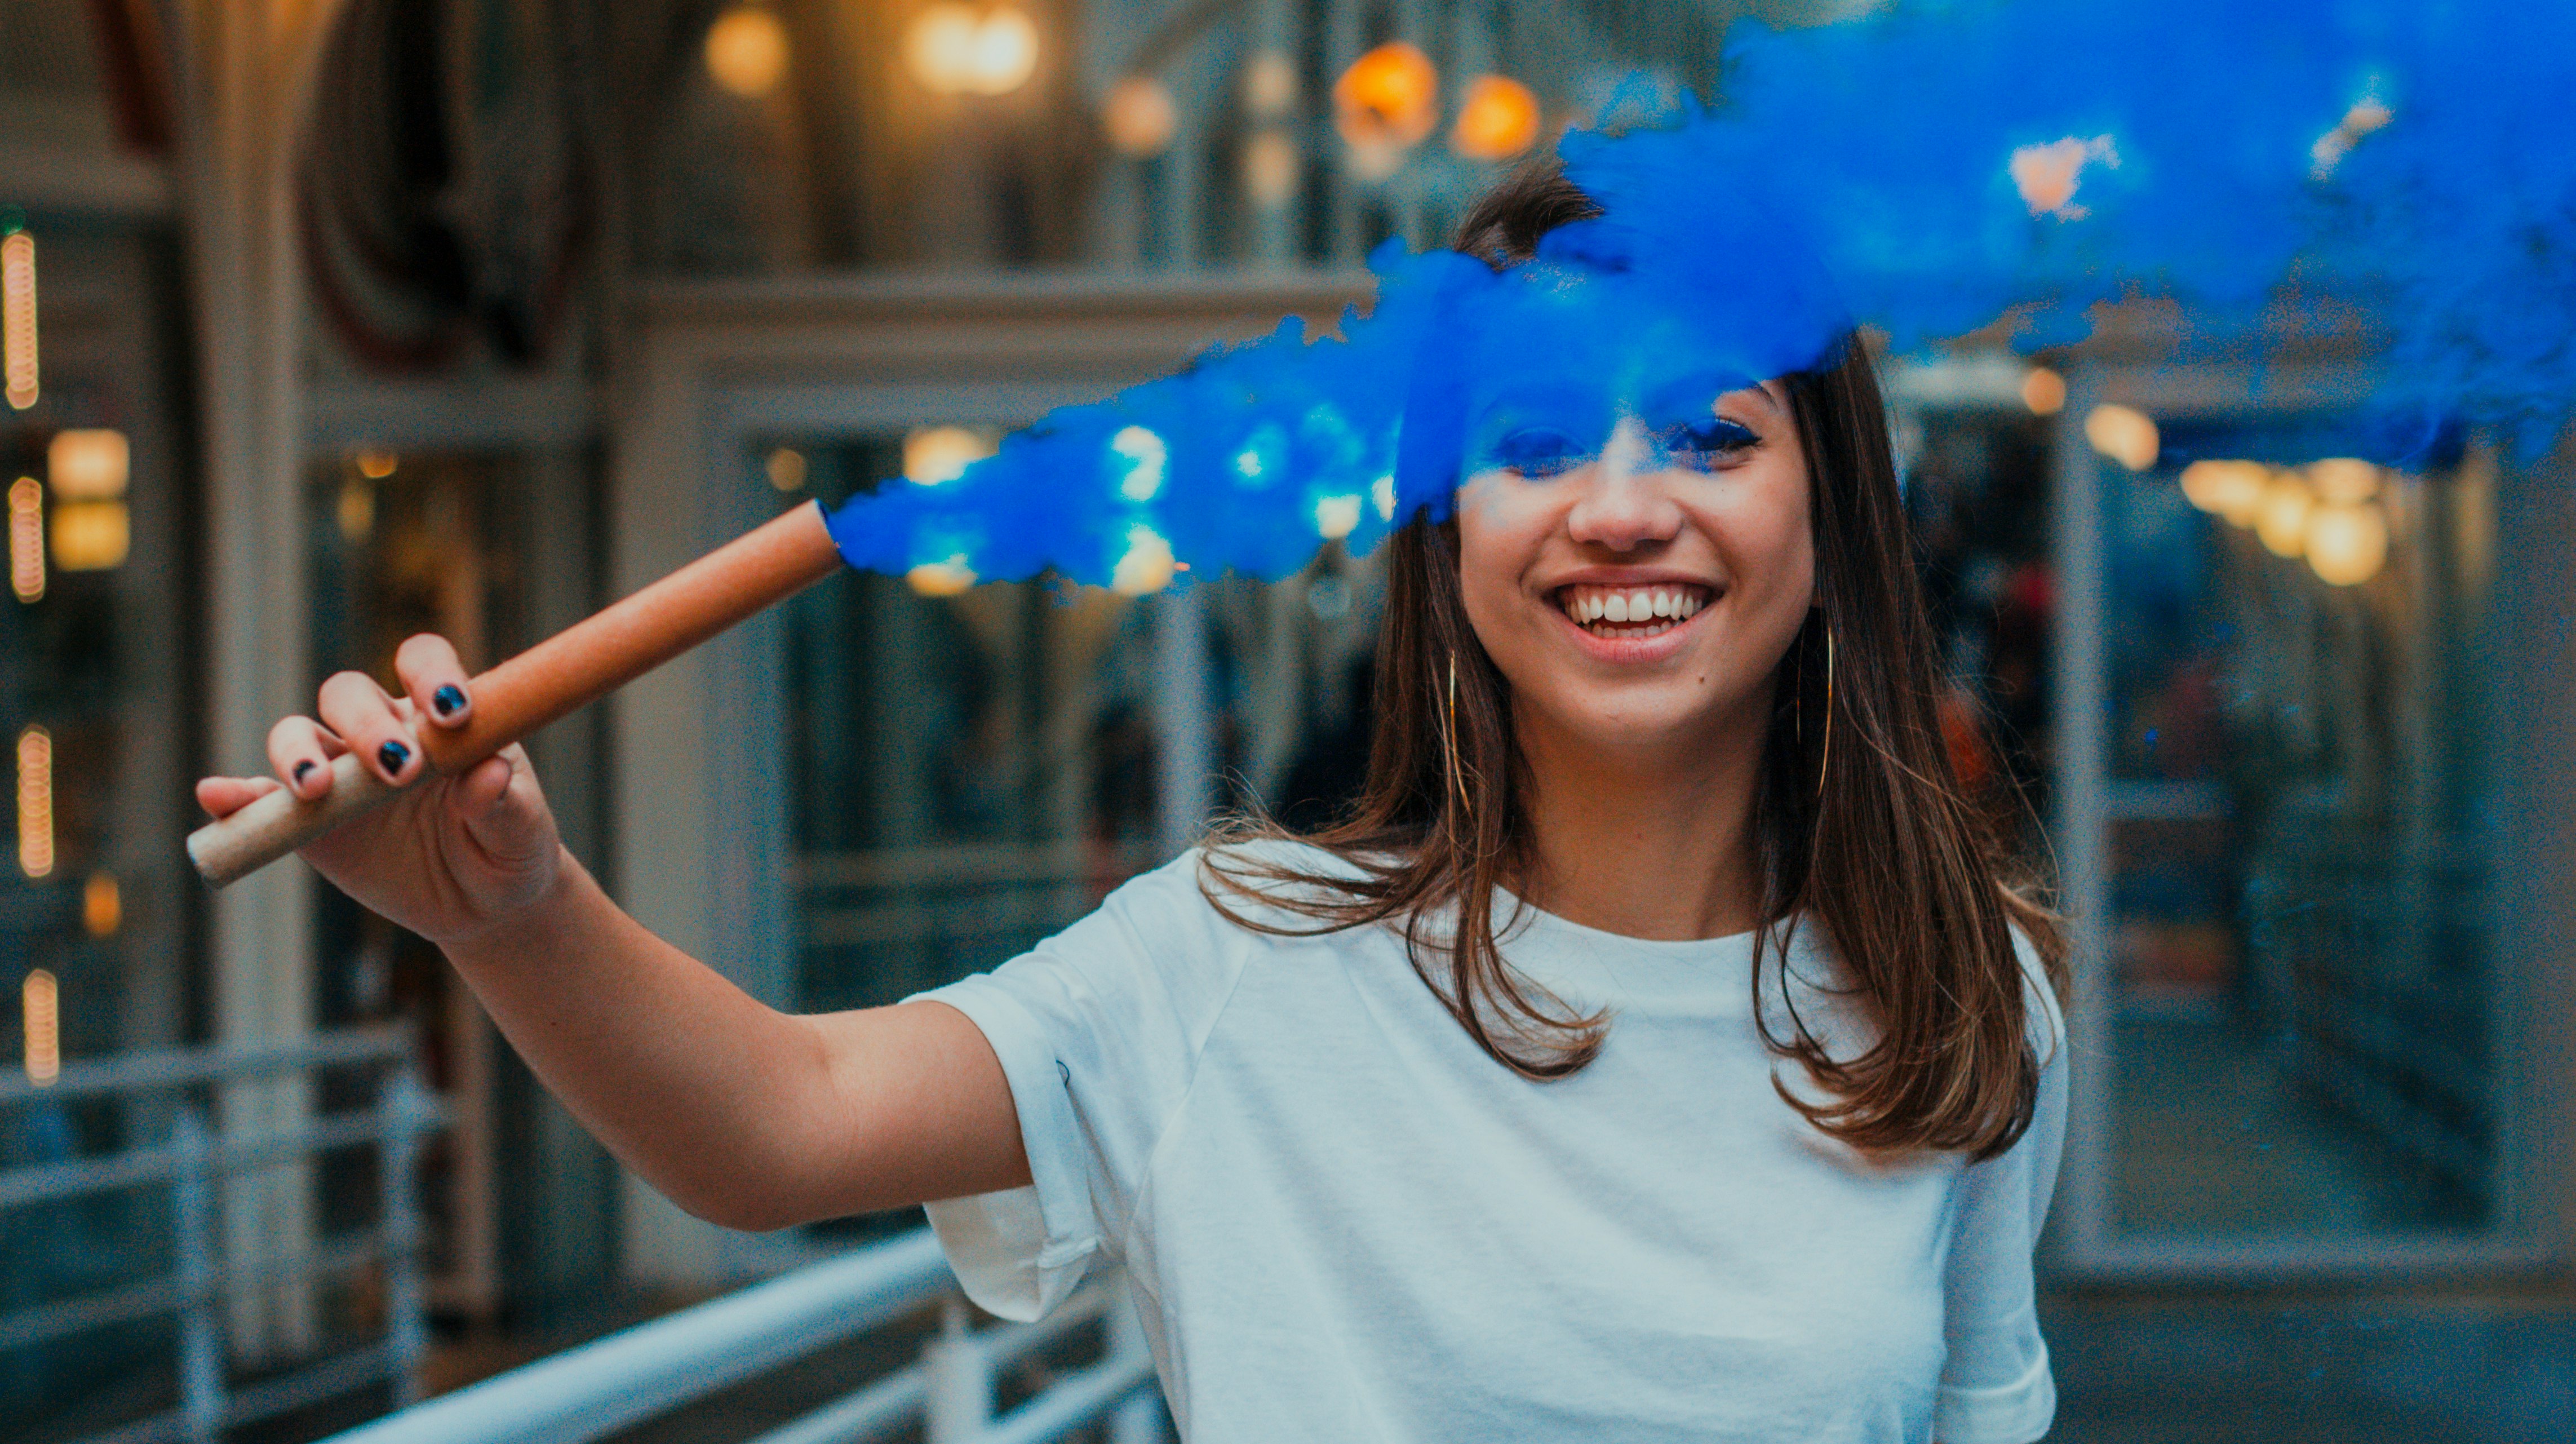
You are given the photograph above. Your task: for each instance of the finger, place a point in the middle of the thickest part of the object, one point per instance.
(499, 802)
(435, 680)
(300, 751)
(356, 708)
(221, 797)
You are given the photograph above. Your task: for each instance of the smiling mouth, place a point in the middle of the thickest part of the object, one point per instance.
(1627, 613)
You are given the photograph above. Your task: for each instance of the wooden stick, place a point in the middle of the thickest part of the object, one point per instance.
(578, 665)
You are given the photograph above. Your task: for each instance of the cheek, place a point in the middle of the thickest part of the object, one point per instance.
(1501, 524)
(1773, 543)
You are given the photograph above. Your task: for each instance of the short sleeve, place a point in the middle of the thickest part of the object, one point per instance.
(1996, 1386)
(1098, 1031)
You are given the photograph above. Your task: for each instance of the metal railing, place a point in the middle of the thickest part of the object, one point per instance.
(190, 1161)
(598, 1389)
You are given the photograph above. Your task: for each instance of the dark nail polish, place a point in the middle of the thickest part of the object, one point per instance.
(393, 755)
(449, 700)
(302, 768)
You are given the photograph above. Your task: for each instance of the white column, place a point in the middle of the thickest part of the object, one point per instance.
(244, 73)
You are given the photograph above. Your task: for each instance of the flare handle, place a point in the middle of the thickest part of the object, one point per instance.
(576, 666)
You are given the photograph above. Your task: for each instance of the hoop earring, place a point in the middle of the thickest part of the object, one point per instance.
(1826, 765)
(1449, 737)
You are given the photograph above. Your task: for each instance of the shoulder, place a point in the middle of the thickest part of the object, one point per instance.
(1221, 899)
(1277, 882)
(2046, 1017)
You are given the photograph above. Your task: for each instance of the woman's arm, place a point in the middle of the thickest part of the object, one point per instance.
(744, 1115)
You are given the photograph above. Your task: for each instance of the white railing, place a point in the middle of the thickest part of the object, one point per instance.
(600, 1388)
(190, 1161)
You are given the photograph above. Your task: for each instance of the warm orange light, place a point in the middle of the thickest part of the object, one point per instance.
(88, 464)
(2043, 391)
(2281, 521)
(18, 319)
(90, 536)
(2047, 176)
(41, 1006)
(1388, 99)
(747, 51)
(2366, 116)
(2124, 434)
(1269, 85)
(2231, 489)
(1139, 116)
(377, 465)
(27, 539)
(36, 802)
(356, 511)
(954, 51)
(786, 468)
(935, 455)
(1497, 119)
(2347, 544)
(1146, 566)
(102, 905)
(1270, 168)
(941, 579)
(2343, 480)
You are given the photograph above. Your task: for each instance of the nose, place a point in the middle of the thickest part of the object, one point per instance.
(1622, 503)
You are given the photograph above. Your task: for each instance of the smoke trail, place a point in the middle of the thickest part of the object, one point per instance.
(1926, 173)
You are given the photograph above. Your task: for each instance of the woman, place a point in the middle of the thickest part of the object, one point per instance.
(1651, 1055)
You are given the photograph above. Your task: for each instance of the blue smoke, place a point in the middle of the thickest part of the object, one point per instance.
(2405, 169)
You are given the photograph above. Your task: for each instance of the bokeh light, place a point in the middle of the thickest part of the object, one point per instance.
(2124, 434)
(747, 51)
(1388, 100)
(1139, 116)
(1497, 119)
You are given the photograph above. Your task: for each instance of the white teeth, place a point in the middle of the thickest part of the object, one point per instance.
(1647, 611)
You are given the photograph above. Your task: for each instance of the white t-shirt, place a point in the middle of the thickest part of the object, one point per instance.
(1345, 1222)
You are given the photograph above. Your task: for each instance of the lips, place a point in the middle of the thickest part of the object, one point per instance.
(1632, 611)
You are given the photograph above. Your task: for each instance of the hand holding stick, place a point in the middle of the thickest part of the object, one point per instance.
(578, 665)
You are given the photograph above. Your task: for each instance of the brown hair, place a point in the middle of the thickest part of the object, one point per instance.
(1869, 836)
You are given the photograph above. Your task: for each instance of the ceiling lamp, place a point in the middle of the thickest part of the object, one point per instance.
(1140, 117)
(2347, 544)
(937, 455)
(1269, 85)
(1388, 100)
(2343, 480)
(747, 51)
(2125, 435)
(2043, 391)
(2232, 489)
(1270, 168)
(2281, 519)
(954, 51)
(1498, 119)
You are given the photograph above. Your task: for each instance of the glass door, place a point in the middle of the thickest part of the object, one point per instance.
(2275, 815)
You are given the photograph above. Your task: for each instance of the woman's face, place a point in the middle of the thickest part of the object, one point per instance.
(1639, 594)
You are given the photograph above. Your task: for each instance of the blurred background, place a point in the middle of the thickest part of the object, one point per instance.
(328, 321)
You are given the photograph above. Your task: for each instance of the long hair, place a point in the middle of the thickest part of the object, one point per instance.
(1861, 827)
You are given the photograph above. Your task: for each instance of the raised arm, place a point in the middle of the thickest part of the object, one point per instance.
(743, 1115)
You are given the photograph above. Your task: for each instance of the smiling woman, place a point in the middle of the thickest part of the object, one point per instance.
(1657, 1053)
(1644, 640)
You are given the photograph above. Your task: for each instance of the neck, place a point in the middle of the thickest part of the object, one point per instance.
(1653, 842)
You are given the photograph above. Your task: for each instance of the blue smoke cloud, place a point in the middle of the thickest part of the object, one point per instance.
(1925, 173)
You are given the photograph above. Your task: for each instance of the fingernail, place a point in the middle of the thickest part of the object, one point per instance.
(393, 755)
(302, 768)
(449, 700)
